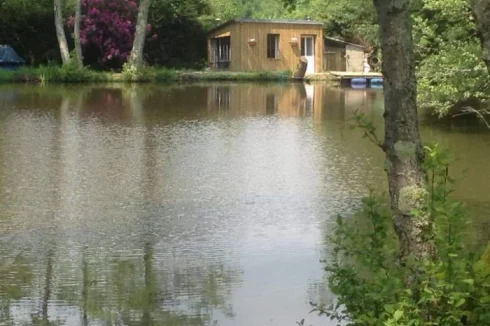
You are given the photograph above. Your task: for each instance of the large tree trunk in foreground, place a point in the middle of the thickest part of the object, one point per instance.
(136, 56)
(60, 32)
(402, 145)
(78, 44)
(481, 10)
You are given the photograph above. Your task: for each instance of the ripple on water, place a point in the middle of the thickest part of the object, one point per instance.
(188, 205)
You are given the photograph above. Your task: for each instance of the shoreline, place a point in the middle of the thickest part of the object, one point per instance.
(72, 75)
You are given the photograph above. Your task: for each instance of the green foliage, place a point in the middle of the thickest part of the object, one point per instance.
(228, 9)
(166, 75)
(375, 288)
(353, 20)
(450, 69)
(238, 76)
(6, 75)
(131, 73)
(72, 74)
(180, 40)
(454, 75)
(29, 27)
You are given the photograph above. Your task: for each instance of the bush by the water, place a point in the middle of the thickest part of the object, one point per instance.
(66, 74)
(374, 287)
(71, 73)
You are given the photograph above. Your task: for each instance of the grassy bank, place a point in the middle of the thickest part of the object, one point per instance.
(72, 74)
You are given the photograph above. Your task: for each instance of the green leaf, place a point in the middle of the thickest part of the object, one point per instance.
(389, 308)
(469, 281)
(398, 314)
(460, 302)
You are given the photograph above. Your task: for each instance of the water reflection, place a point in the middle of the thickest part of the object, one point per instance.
(183, 204)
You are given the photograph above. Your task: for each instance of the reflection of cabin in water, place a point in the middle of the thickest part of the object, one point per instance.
(317, 101)
(274, 45)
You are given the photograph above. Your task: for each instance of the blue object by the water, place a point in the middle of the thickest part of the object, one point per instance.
(357, 81)
(358, 86)
(9, 59)
(376, 81)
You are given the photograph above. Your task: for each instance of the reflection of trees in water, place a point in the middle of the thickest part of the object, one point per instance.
(15, 278)
(103, 288)
(130, 291)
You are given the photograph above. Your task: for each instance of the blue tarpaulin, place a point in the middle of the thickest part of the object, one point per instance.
(9, 58)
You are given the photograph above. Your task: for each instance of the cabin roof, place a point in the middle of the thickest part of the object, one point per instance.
(269, 21)
(343, 42)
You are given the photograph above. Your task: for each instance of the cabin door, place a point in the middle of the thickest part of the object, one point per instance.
(308, 51)
(222, 52)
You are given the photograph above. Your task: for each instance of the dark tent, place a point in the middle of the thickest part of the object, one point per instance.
(9, 59)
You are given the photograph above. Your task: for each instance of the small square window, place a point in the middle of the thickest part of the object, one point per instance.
(273, 46)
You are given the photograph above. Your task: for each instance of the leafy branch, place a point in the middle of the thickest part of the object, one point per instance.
(361, 121)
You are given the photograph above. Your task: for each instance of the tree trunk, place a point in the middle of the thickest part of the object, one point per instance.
(60, 32)
(402, 144)
(481, 10)
(78, 44)
(136, 56)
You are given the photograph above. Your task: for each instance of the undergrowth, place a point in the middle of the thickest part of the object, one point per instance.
(370, 282)
(71, 73)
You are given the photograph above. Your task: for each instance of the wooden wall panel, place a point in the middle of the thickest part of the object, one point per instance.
(355, 58)
(246, 57)
(234, 45)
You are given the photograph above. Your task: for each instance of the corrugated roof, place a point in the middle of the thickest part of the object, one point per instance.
(343, 42)
(271, 21)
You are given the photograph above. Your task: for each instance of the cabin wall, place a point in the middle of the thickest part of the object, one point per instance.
(334, 56)
(354, 58)
(232, 31)
(253, 57)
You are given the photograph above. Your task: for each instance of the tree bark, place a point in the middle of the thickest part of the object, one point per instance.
(481, 10)
(60, 32)
(136, 56)
(78, 44)
(402, 144)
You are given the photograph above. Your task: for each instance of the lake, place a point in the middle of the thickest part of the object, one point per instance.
(198, 204)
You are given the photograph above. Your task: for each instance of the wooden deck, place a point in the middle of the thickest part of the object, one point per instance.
(350, 75)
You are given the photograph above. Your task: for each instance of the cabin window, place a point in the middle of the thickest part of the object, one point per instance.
(307, 46)
(273, 46)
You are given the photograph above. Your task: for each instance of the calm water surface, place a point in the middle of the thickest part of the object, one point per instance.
(187, 205)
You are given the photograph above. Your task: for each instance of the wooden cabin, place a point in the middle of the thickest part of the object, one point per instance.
(261, 45)
(343, 56)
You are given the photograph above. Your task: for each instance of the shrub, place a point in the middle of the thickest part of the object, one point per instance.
(6, 75)
(166, 75)
(69, 73)
(375, 288)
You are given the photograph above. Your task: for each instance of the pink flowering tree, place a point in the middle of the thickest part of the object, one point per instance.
(108, 26)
